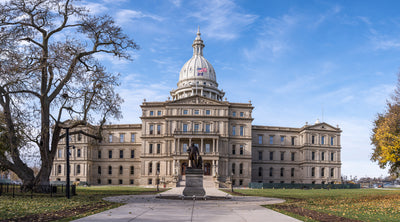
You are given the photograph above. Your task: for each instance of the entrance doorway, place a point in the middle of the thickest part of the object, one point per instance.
(207, 169)
(183, 168)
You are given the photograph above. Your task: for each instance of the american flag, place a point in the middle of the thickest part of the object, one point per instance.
(200, 71)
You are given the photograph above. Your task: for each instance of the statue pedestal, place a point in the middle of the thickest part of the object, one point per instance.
(194, 183)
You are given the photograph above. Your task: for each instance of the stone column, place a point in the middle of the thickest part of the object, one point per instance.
(213, 147)
(217, 142)
(201, 146)
(179, 146)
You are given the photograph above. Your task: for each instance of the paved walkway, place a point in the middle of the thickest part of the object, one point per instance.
(148, 208)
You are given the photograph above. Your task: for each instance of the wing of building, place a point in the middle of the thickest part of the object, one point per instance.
(233, 150)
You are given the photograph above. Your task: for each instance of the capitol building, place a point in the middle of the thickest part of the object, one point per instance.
(233, 150)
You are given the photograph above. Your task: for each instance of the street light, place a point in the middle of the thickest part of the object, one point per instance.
(232, 182)
(158, 179)
(68, 166)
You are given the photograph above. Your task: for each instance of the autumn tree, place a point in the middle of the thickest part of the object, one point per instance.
(386, 135)
(49, 79)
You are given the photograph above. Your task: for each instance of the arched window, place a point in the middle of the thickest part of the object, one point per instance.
(59, 169)
(260, 171)
(121, 170)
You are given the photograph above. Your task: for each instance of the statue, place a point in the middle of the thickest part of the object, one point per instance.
(195, 160)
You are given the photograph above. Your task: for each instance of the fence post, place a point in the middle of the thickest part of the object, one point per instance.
(13, 188)
(51, 190)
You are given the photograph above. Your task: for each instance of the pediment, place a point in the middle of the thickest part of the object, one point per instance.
(322, 126)
(197, 100)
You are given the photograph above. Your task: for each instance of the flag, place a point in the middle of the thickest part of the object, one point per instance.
(200, 71)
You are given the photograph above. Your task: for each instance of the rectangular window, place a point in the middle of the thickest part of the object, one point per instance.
(282, 171)
(151, 113)
(332, 172)
(99, 170)
(293, 156)
(322, 140)
(120, 181)
(312, 139)
(185, 112)
(99, 154)
(196, 127)
(208, 148)
(158, 148)
(233, 130)
(208, 112)
(185, 148)
(322, 172)
(158, 113)
(60, 153)
(241, 168)
(109, 181)
(332, 155)
(151, 129)
(121, 138)
(78, 169)
(313, 172)
(271, 139)
(293, 140)
(185, 128)
(150, 168)
(158, 168)
(110, 170)
(240, 182)
(292, 172)
(121, 170)
(132, 153)
(233, 149)
(233, 168)
(271, 155)
(132, 137)
(121, 153)
(110, 138)
(110, 154)
(150, 182)
(196, 112)
(312, 155)
(260, 155)
(241, 150)
(131, 182)
(332, 141)
(322, 155)
(282, 139)
(271, 170)
(241, 114)
(158, 129)
(207, 128)
(260, 139)
(282, 155)
(241, 130)
(233, 113)
(150, 148)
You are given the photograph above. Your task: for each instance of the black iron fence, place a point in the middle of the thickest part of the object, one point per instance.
(7, 189)
(302, 186)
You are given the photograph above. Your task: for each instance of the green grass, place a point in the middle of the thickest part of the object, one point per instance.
(25, 206)
(359, 204)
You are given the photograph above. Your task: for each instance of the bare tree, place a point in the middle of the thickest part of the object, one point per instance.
(48, 75)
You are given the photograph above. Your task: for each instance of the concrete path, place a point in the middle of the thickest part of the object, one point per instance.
(147, 208)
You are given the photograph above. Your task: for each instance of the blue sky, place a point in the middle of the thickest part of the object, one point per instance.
(293, 59)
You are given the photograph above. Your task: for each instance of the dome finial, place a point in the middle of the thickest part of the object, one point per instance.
(198, 33)
(198, 44)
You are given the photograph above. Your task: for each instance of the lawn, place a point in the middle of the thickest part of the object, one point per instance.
(87, 201)
(332, 205)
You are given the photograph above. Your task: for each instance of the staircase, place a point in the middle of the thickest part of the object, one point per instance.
(182, 181)
(208, 182)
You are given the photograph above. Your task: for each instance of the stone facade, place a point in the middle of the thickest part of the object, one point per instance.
(233, 150)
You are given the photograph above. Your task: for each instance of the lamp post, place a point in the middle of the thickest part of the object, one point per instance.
(158, 179)
(232, 182)
(68, 166)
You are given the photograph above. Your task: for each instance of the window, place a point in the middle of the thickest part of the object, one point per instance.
(241, 150)
(332, 155)
(313, 172)
(312, 155)
(233, 130)
(332, 172)
(233, 168)
(241, 114)
(150, 148)
(322, 155)
(78, 153)
(98, 181)
(185, 112)
(208, 112)
(293, 156)
(233, 182)
(132, 170)
(282, 155)
(260, 139)
(110, 154)
(185, 147)
(110, 170)
(158, 168)
(271, 139)
(110, 138)
(185, 128)
(322, 140)
(233, 149)
(260, 172)
(158, 148)
(312, 139)
(241, 130)
(151, 129)
(158, 129)
(60, 153)
(99, 154)
(240, 182)
(151, 113)
(132, 137)
(282, 139)
(282, 171)
(271, 170)
(260, 155)
(150, 182)
(131, 182)
(233, 113)
(99, 170)
(109, 181)
(150, 168)
(120, 181)
(196, 127)
(292, 172)
(332, 141)
(208, 146)
(158, 113)
(121, 153)
(79, 137)
(293, 141)
(241, 168)
(121, 170)
(207, 128)
(322, 172)
(271, 155)
(196, 112)
(59, 169)
(121, 138)
(132, 153)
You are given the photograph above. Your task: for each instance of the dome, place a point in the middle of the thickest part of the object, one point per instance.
(197, 68)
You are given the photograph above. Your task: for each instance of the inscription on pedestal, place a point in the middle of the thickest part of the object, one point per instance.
(194, 183)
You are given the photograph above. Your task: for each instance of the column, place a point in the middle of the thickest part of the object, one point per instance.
(178, 149)
(216, 167)
(201, 146)
(213, 168)
(213, 146)
(217, 151)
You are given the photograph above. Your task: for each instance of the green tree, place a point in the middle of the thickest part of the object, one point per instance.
(386, 135)
(49, 78)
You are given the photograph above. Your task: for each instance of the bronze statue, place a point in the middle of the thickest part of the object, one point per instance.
(194, 157)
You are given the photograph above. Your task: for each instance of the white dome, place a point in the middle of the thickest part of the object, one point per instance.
(197, 68)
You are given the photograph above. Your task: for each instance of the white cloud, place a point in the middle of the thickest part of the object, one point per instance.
(177, 3)
(95, 8)
(127, 15)
(222, 18)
